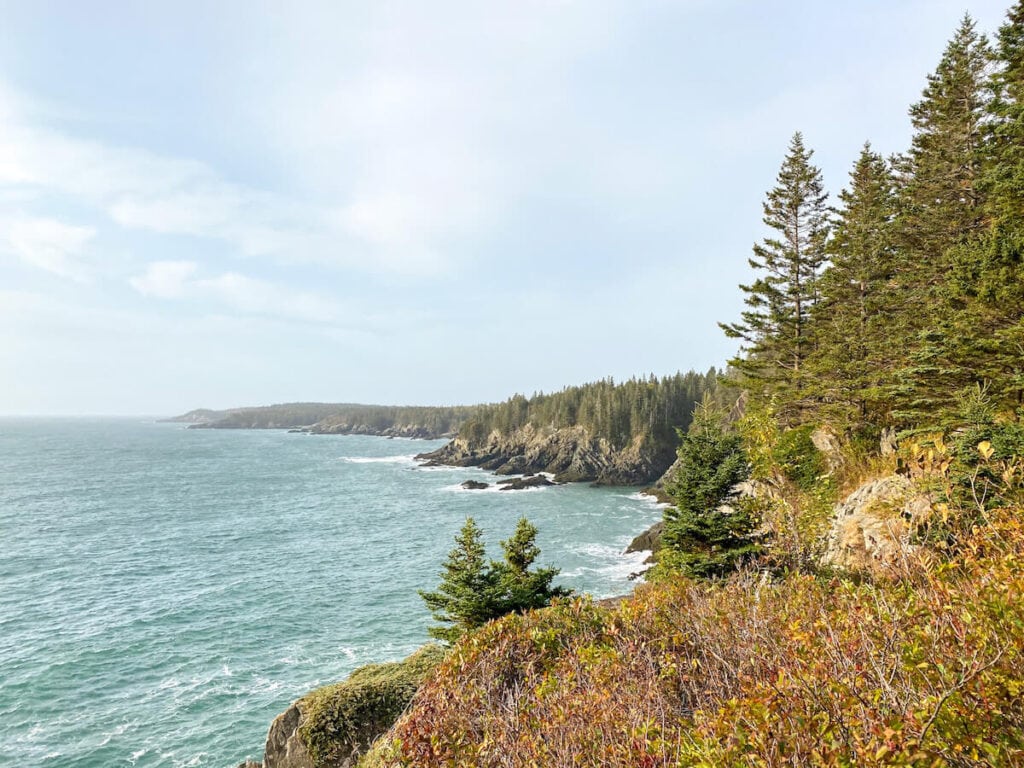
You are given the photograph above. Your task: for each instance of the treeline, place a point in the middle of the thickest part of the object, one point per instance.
(433, 421)
(889, 310)
(653, 407)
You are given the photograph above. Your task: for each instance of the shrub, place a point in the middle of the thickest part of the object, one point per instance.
(801, 671)
(800, 462)
(342, 720)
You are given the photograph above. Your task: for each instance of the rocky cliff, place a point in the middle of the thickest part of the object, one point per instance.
(571, 454)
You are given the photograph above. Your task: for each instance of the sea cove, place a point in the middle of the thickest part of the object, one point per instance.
(165, 592)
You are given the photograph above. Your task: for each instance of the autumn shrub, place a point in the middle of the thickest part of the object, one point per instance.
(746, 672)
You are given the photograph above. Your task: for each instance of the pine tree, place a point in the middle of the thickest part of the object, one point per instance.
(854, 319)
(941, 200)
(941, 221)
(776, 328)
(522, 589)
(473, 591)
(702, 538)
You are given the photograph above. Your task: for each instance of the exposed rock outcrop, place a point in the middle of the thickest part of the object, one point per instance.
(522, 483)
(571, 455)
(475, 485)
(873, 528)
(649, 540)
(285, 748)
(828, 446)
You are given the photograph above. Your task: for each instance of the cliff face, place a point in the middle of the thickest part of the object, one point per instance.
(571, 454)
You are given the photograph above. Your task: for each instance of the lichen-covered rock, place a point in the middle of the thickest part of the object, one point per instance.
(873, 528)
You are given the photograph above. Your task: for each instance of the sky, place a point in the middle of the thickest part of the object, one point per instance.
(243, 203)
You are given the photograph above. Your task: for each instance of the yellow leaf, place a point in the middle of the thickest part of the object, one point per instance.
(985, 449)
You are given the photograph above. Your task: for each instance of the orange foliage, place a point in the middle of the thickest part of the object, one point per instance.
(751, 672)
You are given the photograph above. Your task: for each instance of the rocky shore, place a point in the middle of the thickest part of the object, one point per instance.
(571, 455)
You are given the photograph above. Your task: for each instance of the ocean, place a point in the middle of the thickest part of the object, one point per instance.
(165, 592)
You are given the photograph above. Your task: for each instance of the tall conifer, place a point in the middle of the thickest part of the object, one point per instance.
(776, 329)
(942, 199)
(854, 319)
(942, 219)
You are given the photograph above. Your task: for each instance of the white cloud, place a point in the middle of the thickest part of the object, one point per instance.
(46, 244)
(234, 291)
(165, 279)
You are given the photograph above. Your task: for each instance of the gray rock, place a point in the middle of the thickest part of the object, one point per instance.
(522, 483)
(649, 540)
(828, 444)
(284, 747)
(873, 527)
(888, 443)
(475, 485)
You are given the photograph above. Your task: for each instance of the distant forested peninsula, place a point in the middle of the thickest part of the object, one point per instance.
(605, 431)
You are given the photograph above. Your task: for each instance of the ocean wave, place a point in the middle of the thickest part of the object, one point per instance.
(118, 731)
(646, 499)
(410, 459)
(493, 488)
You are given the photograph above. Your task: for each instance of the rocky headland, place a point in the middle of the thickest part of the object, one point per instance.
(570, 454)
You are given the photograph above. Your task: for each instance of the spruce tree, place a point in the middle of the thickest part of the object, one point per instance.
(473, 591)
(776, 328)
(702, 538)
(991, 277)
(941, 198)
(523, 589)
(466, 596)
(941, 222)
(854, 320)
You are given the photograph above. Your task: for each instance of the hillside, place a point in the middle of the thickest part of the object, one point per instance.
(839, 577)
(337, 418)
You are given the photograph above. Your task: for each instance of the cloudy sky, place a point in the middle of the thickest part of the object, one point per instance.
(239, 203)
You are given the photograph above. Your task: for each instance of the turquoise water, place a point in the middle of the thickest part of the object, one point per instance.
(165, 592)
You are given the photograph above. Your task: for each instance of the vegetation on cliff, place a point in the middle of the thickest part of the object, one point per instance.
(341, 721)
(884, 376)
(649, 407)
(348, 418)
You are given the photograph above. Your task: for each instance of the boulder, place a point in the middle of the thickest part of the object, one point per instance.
(828, 445)
(872, 529)
(649, 540)
(475, 485)
(522, 483)
(285, 748)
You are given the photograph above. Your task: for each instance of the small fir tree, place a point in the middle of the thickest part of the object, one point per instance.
(466, 595)
(702, 537)
(473, 591)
